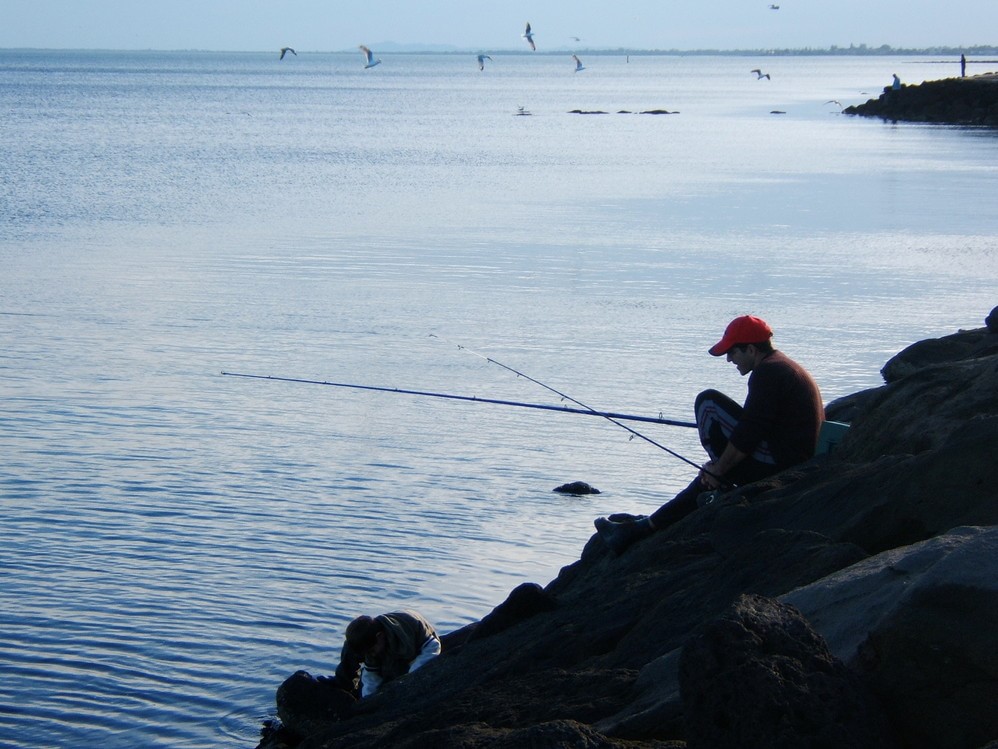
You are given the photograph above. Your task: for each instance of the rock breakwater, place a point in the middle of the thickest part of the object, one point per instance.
(956, 101)
(851, 601)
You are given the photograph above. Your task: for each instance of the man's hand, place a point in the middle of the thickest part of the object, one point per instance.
(709, 475)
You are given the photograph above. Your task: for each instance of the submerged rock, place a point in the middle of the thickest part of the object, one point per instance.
(576, 487)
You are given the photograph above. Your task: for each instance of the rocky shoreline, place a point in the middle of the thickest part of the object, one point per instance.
(850, 602)
(957, 101)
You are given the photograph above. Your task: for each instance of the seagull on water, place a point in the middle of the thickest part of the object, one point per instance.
(369, 60)
(578, 63)
(774, 7)
(529, 36)
(481, 61)
(760, 75)
(285, 50)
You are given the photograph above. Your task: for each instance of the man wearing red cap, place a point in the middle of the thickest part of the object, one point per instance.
(776, 428)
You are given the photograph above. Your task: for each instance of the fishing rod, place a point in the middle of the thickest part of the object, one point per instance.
(495, 401)
(588, 409)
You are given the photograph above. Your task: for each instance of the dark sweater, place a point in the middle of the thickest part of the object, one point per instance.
(783, 408)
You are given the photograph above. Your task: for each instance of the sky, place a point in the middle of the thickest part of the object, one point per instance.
(494, 25)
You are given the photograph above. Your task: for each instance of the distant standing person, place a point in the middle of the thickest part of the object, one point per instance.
(382, 648)
(963, 66)
(776, 428)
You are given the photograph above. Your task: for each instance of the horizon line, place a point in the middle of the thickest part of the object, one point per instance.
(392, 48)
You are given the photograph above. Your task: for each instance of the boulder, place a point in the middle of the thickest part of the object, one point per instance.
(523, 602)
(893, 501)
(559, 734)
(655, 707)
(920, 623)
(921, 410)
(305, 703)
(967, 344)
(760, 677)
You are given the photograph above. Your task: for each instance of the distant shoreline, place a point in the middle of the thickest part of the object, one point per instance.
(392, 48)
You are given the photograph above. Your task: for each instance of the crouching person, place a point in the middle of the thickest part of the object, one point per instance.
(380, 649)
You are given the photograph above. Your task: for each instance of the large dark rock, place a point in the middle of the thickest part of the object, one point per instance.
(919, 623)
(523, 602)
(922, 410)
(592, 658)
(760, 677)
(967, 344)
(305, 703)
(559, 734)
(878, 505)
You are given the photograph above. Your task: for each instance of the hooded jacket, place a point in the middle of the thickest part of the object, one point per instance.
(410, 641)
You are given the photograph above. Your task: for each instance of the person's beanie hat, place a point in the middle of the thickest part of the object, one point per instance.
(745, 329)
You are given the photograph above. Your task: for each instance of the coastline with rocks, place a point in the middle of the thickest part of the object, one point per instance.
(971, 101)
(851, 601)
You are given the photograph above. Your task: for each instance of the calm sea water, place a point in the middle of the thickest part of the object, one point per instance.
(176, 542)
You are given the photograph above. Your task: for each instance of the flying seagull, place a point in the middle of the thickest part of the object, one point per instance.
(578, 63)
(481, 61)
(285, 50)
(575, 39)
(369, 60)
(760, 75)
(529, 36)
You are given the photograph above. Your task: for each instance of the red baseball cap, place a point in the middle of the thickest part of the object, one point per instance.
(744, 329)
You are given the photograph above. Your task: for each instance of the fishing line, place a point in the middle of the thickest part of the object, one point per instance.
(589, 409)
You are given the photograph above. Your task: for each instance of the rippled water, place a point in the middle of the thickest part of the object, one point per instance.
(176, 542)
